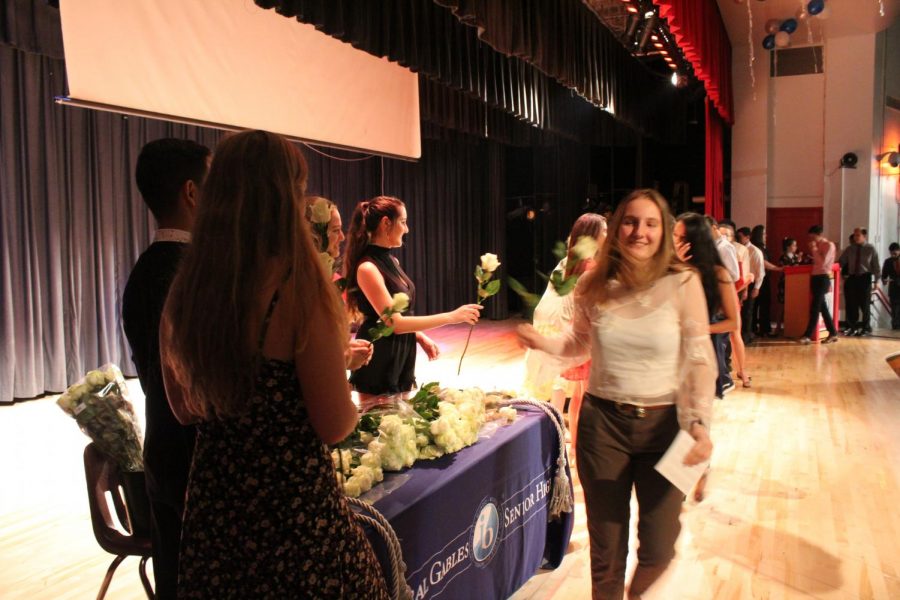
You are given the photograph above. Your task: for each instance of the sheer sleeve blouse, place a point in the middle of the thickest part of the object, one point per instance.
(648, 347)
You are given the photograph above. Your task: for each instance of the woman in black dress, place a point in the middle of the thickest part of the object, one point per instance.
(252, 346)
(373, 276)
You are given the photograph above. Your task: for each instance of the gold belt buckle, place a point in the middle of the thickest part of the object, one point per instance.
(640, 412)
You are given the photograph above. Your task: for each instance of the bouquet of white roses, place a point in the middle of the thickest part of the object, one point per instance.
(99, 404)
(392, 436)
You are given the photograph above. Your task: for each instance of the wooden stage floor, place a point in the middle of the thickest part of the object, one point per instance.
(802, 500)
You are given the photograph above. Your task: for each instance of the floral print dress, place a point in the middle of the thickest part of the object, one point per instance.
(264, 517)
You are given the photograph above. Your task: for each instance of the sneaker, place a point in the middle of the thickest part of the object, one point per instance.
(832, 339)
(805, 340)
(727, 387)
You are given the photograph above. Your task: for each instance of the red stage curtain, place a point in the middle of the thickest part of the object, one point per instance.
(715, 191)
(701, 35)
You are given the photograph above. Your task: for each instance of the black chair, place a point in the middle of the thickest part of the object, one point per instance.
(104, 476)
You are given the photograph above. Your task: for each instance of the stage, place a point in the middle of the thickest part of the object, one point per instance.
(801, 501)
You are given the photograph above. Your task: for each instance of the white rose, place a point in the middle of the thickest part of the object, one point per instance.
(400, 302)
(352, 489)
(508, 413)
(327, 261)
(489, 262)
(95, 379)
(585, 247)
(321, 211)
(371, 460)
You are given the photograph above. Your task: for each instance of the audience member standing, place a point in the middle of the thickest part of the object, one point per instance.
(640, 308)
(693, 236)
(890, 276)
(252, 343)
(822, 252)
(169, 175)
(726, 344)
(758, 269)
(860, 268)
(736, 339)
(789, 258)
(762, 318)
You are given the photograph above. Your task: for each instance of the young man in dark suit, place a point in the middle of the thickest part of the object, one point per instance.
(169, 175)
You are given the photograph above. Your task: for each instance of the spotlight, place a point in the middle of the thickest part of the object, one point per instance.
(679, 80)
(849, 160)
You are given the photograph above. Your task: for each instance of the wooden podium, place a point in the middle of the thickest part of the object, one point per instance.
(797, 298)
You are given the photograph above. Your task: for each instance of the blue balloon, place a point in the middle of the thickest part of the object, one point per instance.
(815, 7)
(769, 42)
(789, 26)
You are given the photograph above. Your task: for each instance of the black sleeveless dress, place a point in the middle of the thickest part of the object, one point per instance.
(393, 365)
(264, 517)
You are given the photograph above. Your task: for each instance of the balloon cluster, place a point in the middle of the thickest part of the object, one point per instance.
(779, 32)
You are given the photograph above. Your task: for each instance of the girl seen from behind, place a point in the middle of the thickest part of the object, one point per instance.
(252, 347)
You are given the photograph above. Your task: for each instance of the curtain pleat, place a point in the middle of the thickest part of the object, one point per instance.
(509, 54)
(72, 223)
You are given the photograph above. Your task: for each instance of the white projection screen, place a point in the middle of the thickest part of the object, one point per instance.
(233, 65)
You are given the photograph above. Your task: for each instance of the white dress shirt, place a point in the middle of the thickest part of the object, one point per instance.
(728, 255)
(757, 265)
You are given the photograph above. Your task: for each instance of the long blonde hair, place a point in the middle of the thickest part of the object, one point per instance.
(251, 211)
(613, 264)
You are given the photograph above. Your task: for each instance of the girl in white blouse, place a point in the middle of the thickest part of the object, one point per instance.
(641, 316)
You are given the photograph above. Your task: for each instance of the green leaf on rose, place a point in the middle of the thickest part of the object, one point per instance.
(560, 250)
(492, 288)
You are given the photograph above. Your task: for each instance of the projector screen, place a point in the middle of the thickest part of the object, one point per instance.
(231, 64)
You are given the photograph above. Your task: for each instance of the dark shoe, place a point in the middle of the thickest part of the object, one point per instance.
(805, 340)
(832, 339)
(858, 333)
(727, 387)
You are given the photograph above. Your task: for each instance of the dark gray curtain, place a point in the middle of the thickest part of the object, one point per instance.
(521, 56)
(72, 223)
(71, 226)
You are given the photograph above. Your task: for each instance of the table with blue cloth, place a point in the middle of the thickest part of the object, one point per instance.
(474, 524)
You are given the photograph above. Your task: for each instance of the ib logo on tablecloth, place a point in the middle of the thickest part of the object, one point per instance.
(485, 532)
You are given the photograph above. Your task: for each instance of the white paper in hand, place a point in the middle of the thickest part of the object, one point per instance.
(672, 466)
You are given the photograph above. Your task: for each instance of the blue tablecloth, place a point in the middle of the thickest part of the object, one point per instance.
(475, 524)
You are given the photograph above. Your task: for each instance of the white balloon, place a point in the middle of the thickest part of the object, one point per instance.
(826, 12)
(782, 39)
